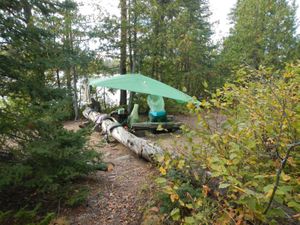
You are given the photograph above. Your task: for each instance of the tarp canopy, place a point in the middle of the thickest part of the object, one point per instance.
(142, 84)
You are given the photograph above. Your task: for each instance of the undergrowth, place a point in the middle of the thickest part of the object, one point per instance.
(244, 169)
(41, 163)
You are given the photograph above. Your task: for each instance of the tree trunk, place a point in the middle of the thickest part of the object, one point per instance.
(75, 97)
(141, 147)
(123, 46)
(130, 36)
(69, 79)
(132, 43)
(131, 58)
(57, 78)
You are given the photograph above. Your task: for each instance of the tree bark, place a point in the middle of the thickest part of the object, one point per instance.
(57, 78)
(123, 44)
(75, 97)
(132, 39)
(143, 148)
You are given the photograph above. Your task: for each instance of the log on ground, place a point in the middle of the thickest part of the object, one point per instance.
(141, 147)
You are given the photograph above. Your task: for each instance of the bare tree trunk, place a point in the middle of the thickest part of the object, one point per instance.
(123, 4)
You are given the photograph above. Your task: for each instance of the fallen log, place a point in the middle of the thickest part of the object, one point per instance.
(110, 126)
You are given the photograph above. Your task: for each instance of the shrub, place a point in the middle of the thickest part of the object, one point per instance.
(252, 157)
(40, 161)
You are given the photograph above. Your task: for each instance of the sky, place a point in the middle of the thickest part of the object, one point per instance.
(219, 8)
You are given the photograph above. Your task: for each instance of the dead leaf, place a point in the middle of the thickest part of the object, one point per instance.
(60, 221)
(110, 167)
(205, 190)
(296, 216)
(240, 219)
(154, 209)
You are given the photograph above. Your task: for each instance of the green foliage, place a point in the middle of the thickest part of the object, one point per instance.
(39, 160)
(24, 216)
(45, 168)
(245, 132)
(263, 34)
(173, 43)
(78, 197)
(175, 108)
(60, 157)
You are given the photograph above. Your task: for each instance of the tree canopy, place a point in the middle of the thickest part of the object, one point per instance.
(263, 33)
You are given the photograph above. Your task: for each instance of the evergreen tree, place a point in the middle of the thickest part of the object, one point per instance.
(38, 158)
(263, 33)
(174, 42)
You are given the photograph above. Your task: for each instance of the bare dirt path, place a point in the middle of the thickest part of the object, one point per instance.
(116, 197)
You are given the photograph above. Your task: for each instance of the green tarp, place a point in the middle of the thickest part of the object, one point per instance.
(141, 84)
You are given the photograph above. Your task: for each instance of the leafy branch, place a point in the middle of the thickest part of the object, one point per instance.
(283, 163)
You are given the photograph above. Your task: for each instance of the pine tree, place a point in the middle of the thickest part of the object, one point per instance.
(174, 42)
(263, 33)
(38, 158)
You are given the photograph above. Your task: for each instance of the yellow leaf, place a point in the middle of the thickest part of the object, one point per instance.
(269, 193)
(205, 104)
(174, 197)
(180, 164)
(189, 206)
(167, 162)
(181, 202)
(285, 177)
(190, 106)
(205, 190)
(169, 190)
(159, 128)
(292, 162)
(239, 189)
(162, 171)
(199, 203)
(288, 75)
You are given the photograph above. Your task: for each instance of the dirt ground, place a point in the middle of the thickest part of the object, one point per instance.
(116, 197)
(121, 196)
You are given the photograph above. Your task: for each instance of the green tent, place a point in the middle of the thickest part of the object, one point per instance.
(141, 84)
